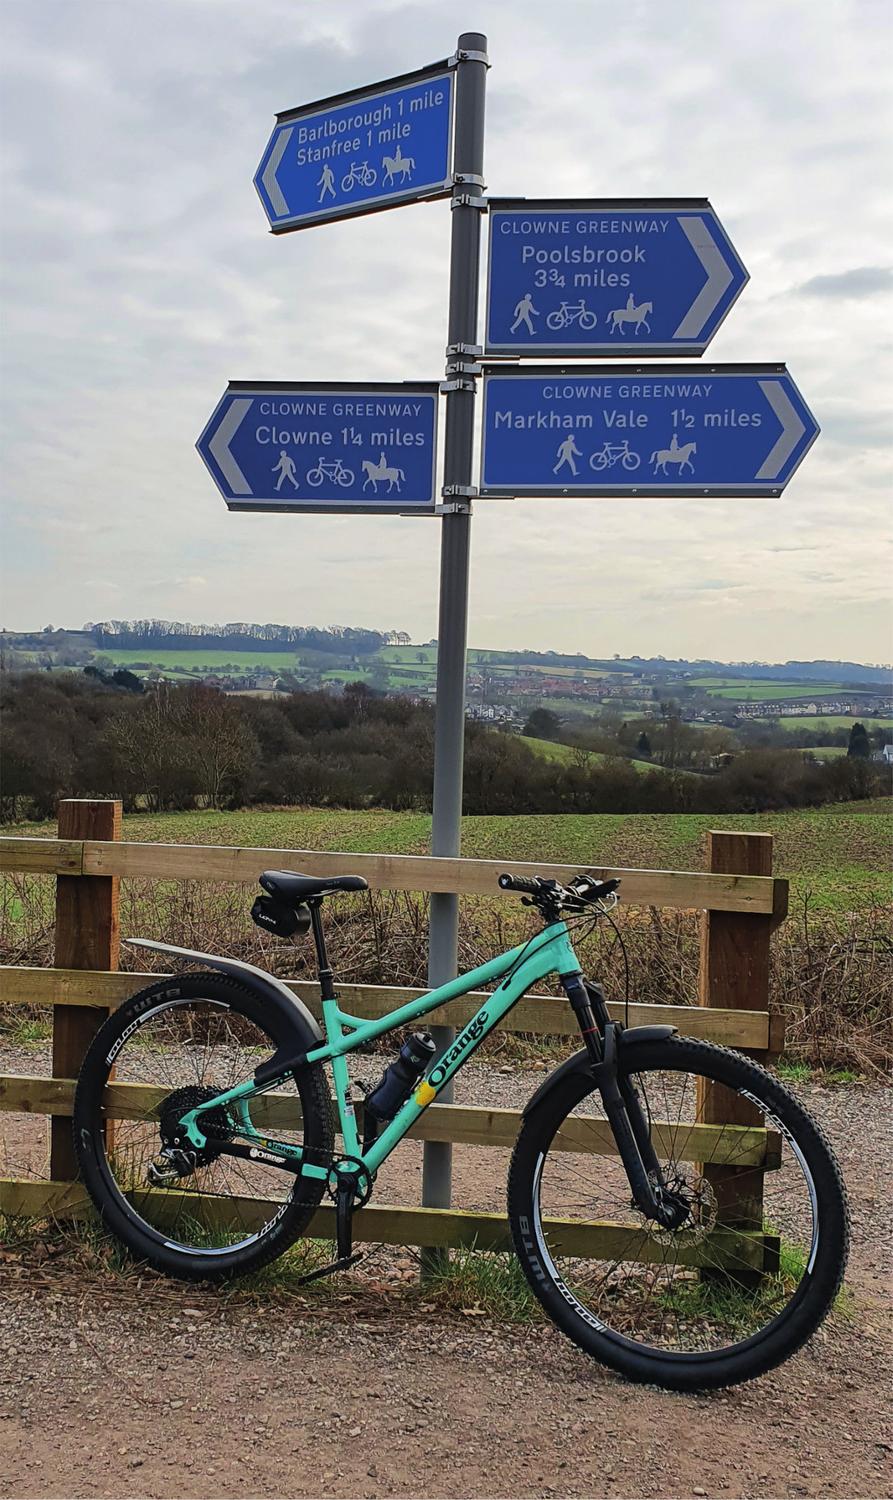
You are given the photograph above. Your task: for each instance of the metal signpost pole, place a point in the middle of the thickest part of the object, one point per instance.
(449, 734)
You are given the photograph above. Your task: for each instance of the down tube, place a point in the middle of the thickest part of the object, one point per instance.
(550, 956)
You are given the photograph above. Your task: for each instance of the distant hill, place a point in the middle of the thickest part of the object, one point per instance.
(110, 637)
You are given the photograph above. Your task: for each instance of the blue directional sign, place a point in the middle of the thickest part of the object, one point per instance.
(359, 152)
(330, 448)
(652, 276)
(663, 430)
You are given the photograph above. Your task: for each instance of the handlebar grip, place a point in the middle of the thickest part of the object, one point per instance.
(604, 888)
(519, 883)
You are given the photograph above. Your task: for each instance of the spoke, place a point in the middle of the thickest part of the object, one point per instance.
(710, 1298)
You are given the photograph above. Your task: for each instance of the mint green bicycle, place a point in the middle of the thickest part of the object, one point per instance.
(681, 1252)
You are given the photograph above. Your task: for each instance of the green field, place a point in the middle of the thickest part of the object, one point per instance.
(841, 855)
(551, 750)
(747, 690)
(193, 658)
(833, 721)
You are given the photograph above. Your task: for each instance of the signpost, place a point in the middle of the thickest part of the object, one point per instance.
(358, 152)
(607, 276)
(274, 446)
(729, 430)
(565, 278)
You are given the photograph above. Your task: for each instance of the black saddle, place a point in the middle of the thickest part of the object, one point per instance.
(285, 885)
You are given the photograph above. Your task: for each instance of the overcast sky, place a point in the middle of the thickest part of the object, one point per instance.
(139, 277)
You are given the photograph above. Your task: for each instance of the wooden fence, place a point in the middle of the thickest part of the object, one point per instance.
(740, 900)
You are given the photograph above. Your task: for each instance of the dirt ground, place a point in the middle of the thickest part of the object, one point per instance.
(109, 1390)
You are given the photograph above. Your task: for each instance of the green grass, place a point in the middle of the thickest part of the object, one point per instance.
(791, 1070)
(840, 854)
(26, 1031)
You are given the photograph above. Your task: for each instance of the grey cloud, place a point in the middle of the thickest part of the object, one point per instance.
(860, 281)
(141, 277)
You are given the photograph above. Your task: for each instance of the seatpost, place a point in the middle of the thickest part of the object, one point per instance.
(326, 978)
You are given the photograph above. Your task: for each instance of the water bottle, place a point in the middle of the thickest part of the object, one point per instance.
(396, 1083)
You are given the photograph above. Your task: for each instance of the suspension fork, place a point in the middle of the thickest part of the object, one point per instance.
(602, 1037)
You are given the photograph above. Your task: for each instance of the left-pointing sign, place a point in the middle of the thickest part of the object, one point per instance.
(359, 152)
(279, 447)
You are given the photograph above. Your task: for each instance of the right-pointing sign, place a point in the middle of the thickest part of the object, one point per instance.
(661, 430)
(600, 276)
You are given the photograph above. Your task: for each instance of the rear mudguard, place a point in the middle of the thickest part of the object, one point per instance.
(581, 1062)
(298, 1029)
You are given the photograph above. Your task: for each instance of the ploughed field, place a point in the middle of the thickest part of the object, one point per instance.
(838, 855)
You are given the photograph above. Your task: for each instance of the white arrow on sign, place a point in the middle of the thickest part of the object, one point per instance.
(792, 429)
(718, 280)
(218, 447)
(268, 176)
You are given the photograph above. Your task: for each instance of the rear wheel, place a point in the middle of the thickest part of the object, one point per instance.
(166, 1050)
(759, 1250)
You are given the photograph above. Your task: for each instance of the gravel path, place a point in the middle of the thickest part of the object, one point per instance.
(173, 1391)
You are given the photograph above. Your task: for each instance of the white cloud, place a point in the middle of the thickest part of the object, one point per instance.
(139, 277)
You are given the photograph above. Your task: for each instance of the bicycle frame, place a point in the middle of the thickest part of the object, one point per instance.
(512, 972)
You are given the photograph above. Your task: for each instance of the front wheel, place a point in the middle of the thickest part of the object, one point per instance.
(757, 1254)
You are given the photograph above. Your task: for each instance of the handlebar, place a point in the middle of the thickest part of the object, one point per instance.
(582, 887)
(530, 886)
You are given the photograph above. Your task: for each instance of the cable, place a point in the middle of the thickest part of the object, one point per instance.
(625, 968)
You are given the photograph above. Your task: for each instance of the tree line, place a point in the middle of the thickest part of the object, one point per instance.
(131, 635)
(187, 746)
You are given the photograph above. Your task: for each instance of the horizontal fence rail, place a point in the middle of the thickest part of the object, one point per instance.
(683, 890)
(387, 1224)
(741, 902)
(546, 1015)
(461, 1123)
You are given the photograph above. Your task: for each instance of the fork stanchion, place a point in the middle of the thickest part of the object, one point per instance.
(449, 732)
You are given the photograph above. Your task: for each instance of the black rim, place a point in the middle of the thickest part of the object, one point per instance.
(195, 1045)
(695, 1295)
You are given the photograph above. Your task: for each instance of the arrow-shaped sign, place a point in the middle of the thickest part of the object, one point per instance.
(329, 448)
(661, 430)
(594, 276)
(355, 153)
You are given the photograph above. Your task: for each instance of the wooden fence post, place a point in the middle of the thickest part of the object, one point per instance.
(87, 937)
(734, 974)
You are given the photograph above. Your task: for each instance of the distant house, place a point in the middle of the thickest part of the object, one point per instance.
(887, 755)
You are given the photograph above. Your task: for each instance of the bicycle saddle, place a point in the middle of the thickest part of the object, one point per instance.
(288, 886)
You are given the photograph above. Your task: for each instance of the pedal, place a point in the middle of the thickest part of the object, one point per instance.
(336, 1265)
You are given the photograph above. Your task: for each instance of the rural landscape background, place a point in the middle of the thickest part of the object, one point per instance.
(298, 737)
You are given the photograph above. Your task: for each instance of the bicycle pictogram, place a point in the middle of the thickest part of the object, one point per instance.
(360, 175)
(612, 454)
(331, 469)
(571, 312)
